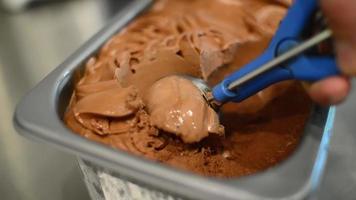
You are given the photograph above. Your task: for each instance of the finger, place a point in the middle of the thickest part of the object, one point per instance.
(330, 91)
(341, 15)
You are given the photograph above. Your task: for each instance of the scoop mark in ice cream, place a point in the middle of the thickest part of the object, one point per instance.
(206, 40)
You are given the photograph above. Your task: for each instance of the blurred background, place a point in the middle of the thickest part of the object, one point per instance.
(37, 36)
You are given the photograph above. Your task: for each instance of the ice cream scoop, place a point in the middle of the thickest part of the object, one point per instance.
(238, 87)
(286, 58)
(176, 106)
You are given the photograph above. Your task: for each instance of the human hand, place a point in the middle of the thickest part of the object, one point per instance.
(341, 15)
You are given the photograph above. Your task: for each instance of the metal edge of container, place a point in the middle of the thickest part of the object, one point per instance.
(37, 116)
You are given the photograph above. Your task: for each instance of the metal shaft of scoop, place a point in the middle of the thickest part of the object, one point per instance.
(324, 35)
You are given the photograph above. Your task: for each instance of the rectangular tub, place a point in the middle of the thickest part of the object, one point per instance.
(39, 115)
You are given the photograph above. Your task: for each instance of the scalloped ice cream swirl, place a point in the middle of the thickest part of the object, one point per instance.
(117, 100)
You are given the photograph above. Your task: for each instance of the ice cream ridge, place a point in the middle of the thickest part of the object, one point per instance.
(132, 97)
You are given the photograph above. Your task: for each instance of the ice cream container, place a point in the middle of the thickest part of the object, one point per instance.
(113, 174)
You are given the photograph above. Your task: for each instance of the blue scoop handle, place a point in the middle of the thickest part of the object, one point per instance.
(303, 67)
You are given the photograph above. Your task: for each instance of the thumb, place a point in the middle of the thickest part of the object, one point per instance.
(341, 15)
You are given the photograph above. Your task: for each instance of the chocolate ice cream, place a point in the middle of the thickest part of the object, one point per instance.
(115, 102)
(181, 109)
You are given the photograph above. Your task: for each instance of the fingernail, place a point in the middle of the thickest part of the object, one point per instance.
(346, 53)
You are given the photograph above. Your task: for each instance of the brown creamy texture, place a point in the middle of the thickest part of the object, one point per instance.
(111, 103)
(177, 106)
